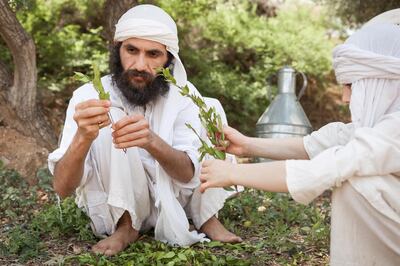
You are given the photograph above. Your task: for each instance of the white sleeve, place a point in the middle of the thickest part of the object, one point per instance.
(68, 133)
(185, 140)
(328, 136)
(371, 152)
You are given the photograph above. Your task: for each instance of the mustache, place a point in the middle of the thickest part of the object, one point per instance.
(133, 73)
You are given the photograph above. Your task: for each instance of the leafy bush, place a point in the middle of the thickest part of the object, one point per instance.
(67, 37)
(230, 51)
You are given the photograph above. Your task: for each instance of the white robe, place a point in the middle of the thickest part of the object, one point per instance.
(114, 182)
(340, 156)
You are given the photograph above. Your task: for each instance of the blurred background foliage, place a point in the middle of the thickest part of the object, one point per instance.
(229, 47)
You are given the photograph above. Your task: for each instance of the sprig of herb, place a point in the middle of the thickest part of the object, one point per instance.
(98, 86)
(96, 82)
(209, 118)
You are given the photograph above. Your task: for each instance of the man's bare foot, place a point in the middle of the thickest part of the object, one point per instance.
(216, 231)
(122, 237)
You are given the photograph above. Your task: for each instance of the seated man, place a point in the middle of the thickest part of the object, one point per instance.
(132, 161)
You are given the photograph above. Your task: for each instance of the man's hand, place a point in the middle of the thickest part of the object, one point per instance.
(132, 131)
(90, 116)
(216, 173)
(237, 141)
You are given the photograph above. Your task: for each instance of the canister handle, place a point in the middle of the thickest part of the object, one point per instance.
(269, 87)
(303, 89)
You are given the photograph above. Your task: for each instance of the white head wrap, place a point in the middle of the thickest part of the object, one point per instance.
(370, 61)
(391, 16)
(154, 24)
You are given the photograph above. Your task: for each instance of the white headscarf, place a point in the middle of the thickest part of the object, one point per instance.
(154, 24)
(391, 16)
(370, 61)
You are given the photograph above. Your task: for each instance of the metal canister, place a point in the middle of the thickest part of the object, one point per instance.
(285, 116)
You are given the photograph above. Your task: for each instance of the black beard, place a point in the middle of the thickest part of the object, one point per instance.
(140, 95)
(154, 87)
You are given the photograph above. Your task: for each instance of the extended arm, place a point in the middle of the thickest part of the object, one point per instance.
(276, 149)
(269, 176)
(69, 169)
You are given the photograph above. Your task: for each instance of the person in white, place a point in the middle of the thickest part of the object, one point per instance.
(131, 160)
(360, 161)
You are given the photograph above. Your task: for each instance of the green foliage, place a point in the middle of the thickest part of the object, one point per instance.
(157, 253)
(25, 244)
(230, 51)
(357, 12)
(67, 38)
(16, 196)
(66, 219)
(285, 233)
(27, 223)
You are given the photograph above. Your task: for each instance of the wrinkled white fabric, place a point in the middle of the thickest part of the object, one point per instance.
(152, 23)
(361, 236)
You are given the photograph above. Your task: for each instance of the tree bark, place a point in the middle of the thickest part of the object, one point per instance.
(112, 11)
(22, 47)
(19, 97)
(5, 77)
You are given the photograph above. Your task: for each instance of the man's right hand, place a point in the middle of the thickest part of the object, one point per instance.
(90, 116)
(237, 141)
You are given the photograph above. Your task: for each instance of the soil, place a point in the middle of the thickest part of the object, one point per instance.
(21, 153)
(24, 153)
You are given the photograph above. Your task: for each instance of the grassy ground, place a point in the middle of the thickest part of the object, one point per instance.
(35, 231)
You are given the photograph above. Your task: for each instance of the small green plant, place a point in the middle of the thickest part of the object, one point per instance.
(24, 243)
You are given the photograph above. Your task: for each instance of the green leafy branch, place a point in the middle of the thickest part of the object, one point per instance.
(96, 82)
(209, 118)
(98, 86)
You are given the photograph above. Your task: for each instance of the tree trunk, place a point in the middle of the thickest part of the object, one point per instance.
(5, 77)
(23, 50)
(19, 97)
(112, 11)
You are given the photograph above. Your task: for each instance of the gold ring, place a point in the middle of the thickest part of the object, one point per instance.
(100, 124)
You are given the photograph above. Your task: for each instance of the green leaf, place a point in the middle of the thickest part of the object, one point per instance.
(214, 244)
(98, 85)
(221, 155)
(182, 257)
(169, 255)
(81, 77)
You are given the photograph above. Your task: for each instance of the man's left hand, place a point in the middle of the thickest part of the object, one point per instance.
(132, 131)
